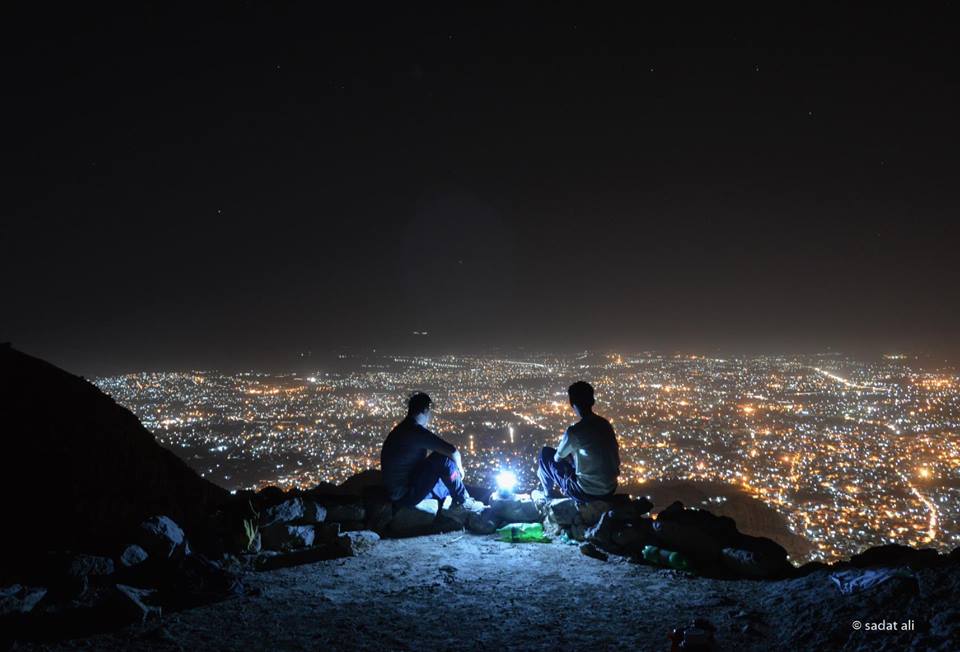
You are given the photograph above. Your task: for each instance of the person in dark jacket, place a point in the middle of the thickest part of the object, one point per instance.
(417, 464)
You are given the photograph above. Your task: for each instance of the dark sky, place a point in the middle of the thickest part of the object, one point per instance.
(235, 186)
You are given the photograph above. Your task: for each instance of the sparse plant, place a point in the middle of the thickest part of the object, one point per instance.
(251, 527)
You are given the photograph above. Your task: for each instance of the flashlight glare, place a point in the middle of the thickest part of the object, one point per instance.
(506, 480)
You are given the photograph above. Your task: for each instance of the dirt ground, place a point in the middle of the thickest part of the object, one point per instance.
(460, 591)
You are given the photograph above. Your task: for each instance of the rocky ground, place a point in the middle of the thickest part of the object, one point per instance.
(463, 591)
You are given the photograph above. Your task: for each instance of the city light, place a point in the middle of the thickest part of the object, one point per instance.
(849, 453)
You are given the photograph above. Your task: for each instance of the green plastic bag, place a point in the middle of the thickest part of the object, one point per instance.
(663, 557)
(522, 533)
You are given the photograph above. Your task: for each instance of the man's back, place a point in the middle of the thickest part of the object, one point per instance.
(406, 445)
(596, 454)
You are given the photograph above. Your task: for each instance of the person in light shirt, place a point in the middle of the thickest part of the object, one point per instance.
(586, 464)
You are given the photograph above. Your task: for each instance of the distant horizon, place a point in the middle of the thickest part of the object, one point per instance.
(298, 364)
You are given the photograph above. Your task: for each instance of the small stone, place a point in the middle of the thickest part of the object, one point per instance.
(85, 565)
(286, 512)
(577, 532)
(313, 512)
(17, 599)
(132, 602)
(563, 511)
(358, 542)
(347, 512)
(271, 560)
(325, 533)
(482, 522)
(379, 516)
(591, 550)
(133, 555)
(284, 537)
(161, 537)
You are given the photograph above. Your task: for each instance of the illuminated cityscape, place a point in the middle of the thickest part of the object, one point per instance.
(852, 453)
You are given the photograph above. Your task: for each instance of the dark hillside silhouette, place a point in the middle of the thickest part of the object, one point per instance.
(80, 471)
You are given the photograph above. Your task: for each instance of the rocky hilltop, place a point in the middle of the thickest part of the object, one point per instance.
(122, 546)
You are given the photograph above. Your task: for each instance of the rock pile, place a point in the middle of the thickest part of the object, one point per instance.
(711, 545)
(297, 528)
(73, 594)
(566, 517)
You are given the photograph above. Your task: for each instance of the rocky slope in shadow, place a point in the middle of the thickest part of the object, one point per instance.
(81, 472)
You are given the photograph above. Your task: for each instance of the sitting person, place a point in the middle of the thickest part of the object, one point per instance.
(417, 464)
(592, 446)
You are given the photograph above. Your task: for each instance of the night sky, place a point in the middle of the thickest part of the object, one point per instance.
(239, 185)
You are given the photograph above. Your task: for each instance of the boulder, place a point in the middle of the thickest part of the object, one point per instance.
(272, 560)
(626, 509)
(562, 511)
(590, 513)
(379, 515)
(313, 512)
(482, 522)
(688, 540)
(325, 533)
(161, 538)
(359, 542)
(130, 603)
(284, 537)
(516, 509)
(357, 484)
(419, 520)
(697, 534)
(197, 580)
(621, 537)
(345, 512)
(718, 528)
(631, 537)
(577, 532)
(747, 563)
(591, 550)
(133, 555)
(286, 512)
(86, 565)
(761, 547)
(896, 555)
(17, 599)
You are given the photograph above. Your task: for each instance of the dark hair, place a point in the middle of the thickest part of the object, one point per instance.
(418, 404)
(581, 394)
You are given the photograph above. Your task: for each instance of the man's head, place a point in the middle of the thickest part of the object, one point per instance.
(581, 397)
(418, 408)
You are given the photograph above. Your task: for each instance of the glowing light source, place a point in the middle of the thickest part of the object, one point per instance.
(506, 482)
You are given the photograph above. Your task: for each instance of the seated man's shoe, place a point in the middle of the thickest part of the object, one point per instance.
(461, 511)
(471, 504)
